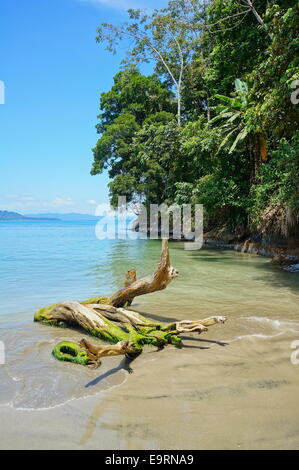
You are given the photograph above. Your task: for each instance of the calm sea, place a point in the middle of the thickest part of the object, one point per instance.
(46, 262)
(42, 262)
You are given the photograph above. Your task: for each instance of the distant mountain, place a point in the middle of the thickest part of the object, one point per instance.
(6, 215)
(70, 216)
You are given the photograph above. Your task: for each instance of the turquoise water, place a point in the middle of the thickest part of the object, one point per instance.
(46, 262)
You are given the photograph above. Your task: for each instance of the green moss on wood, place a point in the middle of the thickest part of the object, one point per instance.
(42, 315)
(157, 335)
(97, 300)
(71, 352)
(175, 340)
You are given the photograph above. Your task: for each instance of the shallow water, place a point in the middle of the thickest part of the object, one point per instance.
(232, 387)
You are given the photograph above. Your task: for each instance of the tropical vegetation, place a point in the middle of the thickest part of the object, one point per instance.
(216, 122)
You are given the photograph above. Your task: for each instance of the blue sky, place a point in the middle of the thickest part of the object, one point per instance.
(54, 72)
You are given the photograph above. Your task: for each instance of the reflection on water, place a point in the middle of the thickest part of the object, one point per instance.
(237, 374)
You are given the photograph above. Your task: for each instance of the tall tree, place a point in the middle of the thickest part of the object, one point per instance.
(164, 37)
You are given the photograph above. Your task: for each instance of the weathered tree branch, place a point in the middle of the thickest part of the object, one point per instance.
(95, 352)
(88, 354)
(163, 275)
(197, 326)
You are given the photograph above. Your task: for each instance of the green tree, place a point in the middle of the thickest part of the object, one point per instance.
(164, 36)
(132, 110)
(272, 77)
(197, 50)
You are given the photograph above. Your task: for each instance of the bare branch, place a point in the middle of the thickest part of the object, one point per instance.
(163, 275)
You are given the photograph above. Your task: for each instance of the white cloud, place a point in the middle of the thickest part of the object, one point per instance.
(27, 204)
(58, 202)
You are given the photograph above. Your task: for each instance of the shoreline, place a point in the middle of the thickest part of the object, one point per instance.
(286, 258)
(283, 255)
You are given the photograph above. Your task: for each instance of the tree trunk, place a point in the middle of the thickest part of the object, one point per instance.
(179, 104)
(259, 19)
(208, 110)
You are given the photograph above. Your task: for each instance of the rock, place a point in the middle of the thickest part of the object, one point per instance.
(293, 268)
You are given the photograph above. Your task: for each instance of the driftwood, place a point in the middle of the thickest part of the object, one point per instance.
(88, 354)
(108, 319)
(163, 275)
(95, 352)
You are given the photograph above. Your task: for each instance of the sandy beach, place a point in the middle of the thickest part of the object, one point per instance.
(222, 397)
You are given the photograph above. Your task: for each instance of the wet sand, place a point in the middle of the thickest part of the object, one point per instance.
(233, 387)
(220, 397)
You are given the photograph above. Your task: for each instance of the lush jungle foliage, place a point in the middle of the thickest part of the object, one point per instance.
(215, 123)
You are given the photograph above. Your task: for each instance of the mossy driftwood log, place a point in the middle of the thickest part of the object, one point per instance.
(109, 319)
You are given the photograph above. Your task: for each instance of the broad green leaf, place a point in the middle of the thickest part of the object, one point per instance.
(240, 136)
